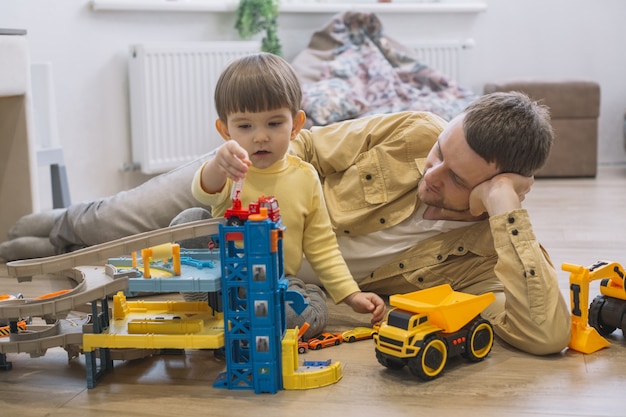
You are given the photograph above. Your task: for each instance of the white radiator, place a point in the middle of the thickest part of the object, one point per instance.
(171, 94)
(171, 100)
(447, 56)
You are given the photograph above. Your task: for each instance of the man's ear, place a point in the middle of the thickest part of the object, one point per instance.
(298, 121)
(222, 128)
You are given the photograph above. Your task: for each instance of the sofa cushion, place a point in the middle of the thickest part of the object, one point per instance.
(574, 108)
(566, 98)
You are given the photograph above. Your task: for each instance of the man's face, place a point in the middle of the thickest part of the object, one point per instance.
(453, 169)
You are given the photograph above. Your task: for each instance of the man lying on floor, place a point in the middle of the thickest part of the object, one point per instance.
(415, 202)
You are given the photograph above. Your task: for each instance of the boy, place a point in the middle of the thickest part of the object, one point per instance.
(258, 104)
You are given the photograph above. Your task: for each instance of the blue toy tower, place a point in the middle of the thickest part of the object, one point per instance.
(253, 296)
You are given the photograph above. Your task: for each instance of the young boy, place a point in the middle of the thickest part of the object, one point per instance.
(258, 104)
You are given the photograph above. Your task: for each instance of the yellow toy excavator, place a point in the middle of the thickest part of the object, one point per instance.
(607, 311)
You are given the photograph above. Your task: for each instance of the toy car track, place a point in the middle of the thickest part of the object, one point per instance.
(88, 284)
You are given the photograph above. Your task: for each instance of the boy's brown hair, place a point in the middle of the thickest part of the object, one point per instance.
(255, 83)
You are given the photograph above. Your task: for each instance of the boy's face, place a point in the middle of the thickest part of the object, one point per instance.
(452, 170)
(264, 135)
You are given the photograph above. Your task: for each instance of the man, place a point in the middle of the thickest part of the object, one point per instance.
(415, 203)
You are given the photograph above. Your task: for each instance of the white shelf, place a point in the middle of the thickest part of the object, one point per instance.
(227, 6)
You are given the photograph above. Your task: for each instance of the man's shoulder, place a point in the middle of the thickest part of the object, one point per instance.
(298, 163)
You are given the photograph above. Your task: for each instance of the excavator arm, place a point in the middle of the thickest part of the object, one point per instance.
(585, 338)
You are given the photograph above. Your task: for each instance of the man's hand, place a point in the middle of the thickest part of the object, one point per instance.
(367, 302)
(502, 193)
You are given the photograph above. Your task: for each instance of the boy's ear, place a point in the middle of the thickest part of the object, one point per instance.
(298, 122)
(222, 128)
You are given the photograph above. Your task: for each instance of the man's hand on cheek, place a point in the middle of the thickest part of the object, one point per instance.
(502, 193)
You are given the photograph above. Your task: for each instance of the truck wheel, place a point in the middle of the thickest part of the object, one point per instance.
(430, 360)
(595, 316)
(479, 341)
(235, 221)
(389, 362)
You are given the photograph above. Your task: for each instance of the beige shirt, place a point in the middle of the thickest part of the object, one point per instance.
(370, 168)
(368, 252)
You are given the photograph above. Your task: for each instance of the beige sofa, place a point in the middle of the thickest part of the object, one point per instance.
(574, 107)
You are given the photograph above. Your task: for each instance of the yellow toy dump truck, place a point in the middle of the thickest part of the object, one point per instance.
(426, 327)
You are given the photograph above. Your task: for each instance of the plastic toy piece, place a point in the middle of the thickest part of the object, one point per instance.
(8, 297)
(199, 272)
(428, 326)
(24, 270)
(89, 284)
(327, 362)
(52, 295)
(303, 346)
(6, 330)
(12, 326)
(164, 252)
(160, 325)
(236, 215)
(296, 377)
(606, 313)
(324, 340)
(263, 354)
(358, 333)
(253, 287)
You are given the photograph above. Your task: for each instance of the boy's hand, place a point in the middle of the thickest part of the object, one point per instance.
(502, 193)
(232, 160)
(367, 302)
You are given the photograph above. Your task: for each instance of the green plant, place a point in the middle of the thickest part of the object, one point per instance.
(256, 16)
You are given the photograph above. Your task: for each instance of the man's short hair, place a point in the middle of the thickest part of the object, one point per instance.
(510, 129)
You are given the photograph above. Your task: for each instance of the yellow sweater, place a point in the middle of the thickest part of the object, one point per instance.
(296, 186)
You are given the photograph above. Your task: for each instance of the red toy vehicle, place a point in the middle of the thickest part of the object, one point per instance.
(325, 340)
(236, 215)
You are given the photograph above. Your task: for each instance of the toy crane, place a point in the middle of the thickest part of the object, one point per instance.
(607, 311)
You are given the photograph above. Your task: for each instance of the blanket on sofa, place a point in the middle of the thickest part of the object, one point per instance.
(351, 69)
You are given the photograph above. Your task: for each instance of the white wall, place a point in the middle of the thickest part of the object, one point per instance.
(514, 38)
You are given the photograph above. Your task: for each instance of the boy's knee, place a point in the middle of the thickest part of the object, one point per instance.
(315, 314)
(191, 215)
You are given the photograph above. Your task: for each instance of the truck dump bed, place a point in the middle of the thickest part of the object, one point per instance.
(447, 309)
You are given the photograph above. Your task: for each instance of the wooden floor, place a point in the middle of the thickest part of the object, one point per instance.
(578, 220)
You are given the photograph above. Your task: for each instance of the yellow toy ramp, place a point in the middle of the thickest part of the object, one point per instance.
(296, 377)
(448, 309)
